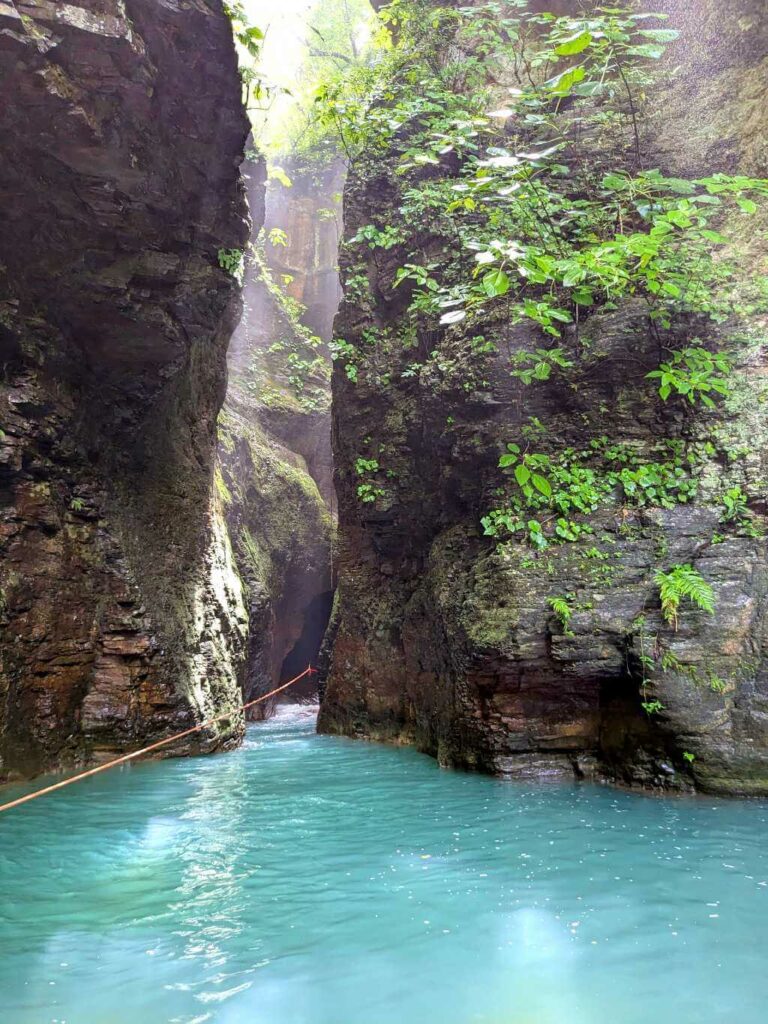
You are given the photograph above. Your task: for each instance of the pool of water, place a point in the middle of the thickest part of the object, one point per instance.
(312, 880)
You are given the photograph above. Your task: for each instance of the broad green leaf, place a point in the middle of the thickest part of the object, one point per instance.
(660, 35)
(646, 50)
(542, 484)
(496, 282)
(562, 84)
(746, 205)
(522, 475)
(575, 44)
(560, 314)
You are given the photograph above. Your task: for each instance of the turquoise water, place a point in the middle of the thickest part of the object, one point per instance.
(314, 880)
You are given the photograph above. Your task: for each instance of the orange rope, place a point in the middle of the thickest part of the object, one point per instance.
(153, 746)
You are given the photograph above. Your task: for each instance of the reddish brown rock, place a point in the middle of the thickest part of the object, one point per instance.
(446, 641)
(120, 615)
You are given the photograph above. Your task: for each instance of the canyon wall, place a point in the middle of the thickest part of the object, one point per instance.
(276, 477)
(445, 638)
(121, 615)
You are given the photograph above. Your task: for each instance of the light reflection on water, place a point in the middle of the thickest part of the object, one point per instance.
(314, 880)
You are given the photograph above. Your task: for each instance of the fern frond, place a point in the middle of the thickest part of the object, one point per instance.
(561, 608)
(679, 582)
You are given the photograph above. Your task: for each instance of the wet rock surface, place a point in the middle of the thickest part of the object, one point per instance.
(444, 639)
(121, 616)
(274, 452)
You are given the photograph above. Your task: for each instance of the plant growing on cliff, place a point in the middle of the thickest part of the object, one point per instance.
(562, 608)
(386, 237)
(540, 364)
(683, 581)
(551, 489)
(567, 244)
(299, 370)
(694, 373)
(531, 221)
(248, 39)
(277, 237)
(737, 512)
(368, 492)
(249, 36)
(233, 261)
(347, 353)
(652, 707)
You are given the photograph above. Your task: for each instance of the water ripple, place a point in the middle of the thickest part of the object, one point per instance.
(312, 880)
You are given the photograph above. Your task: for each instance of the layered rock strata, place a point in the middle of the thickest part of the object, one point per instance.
(121, 615)
(448, 641)
(274, 435)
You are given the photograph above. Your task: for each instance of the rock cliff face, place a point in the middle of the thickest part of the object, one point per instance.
(309, 212)
(274, 437)
(445, 639)
(121, 616)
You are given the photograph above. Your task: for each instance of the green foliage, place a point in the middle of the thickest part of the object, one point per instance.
(539, 365)
(551, 489)
(342, 43)
(538, 227)
(683, 581)
(344, 351)
(652, 707)
(562, 608)
(735, 502)
(693, 373)
(77, 504)
(368, 492)
(539, 212)
(278, 237)
(233, 261)
(378, 238)
(248, 36)
(276, 173)
(297, 364)
(738, 514)
(249, 39)
(671, 663)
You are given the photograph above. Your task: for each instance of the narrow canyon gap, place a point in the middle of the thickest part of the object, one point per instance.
(519, 501)
(428, 345)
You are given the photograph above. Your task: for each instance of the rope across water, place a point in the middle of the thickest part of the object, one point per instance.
(308, 671)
